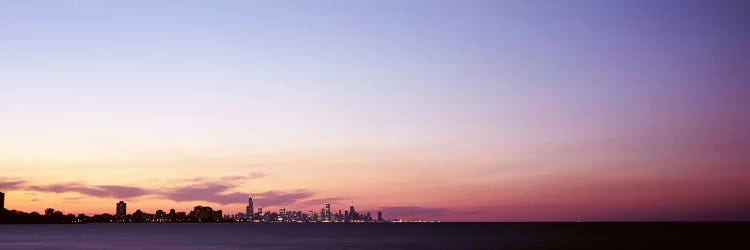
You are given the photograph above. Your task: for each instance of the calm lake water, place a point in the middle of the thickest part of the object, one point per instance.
(377, 236)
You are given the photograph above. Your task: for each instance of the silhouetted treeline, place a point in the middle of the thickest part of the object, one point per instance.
(51, 216)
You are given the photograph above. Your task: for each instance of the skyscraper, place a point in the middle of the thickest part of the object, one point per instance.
(328, 211)
(380, 216)
(249, 209)
(2, 201)
(121, 209)
(352, 213)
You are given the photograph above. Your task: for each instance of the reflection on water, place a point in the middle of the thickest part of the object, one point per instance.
(369, 236)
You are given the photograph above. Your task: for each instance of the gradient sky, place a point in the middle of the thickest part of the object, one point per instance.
(455, 110)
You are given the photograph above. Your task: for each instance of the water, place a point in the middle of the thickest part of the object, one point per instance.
(375, 236)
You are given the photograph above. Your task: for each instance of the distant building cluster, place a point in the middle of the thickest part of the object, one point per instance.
(284, 215)
(199, 214)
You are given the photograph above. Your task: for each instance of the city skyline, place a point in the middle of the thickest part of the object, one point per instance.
(199, 214)
(486, 110)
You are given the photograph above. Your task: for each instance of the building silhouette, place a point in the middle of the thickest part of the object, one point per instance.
(352, 213)
(249, 209)
(328, 211)
(121, 209)
(199, 214)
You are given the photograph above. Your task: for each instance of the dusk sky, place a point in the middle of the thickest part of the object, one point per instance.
(450, 110)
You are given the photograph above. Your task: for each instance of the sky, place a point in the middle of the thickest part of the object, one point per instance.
(450, 110)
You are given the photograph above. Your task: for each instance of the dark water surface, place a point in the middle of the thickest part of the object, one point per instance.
(379, 236)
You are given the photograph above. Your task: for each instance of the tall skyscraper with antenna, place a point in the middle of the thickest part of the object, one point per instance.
(328, 211)
(249, 209)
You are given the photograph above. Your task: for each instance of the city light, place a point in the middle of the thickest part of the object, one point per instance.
(199, 214)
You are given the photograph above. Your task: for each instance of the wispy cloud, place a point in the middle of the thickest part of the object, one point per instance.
(211, 192)
(11, 185)
(216, 193)
(251, 176)
(279, 198)
(98, 191)
(216, 190)
(313, 202)
(233, 178)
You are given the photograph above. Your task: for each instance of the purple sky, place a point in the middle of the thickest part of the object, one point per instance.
(458, 110)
